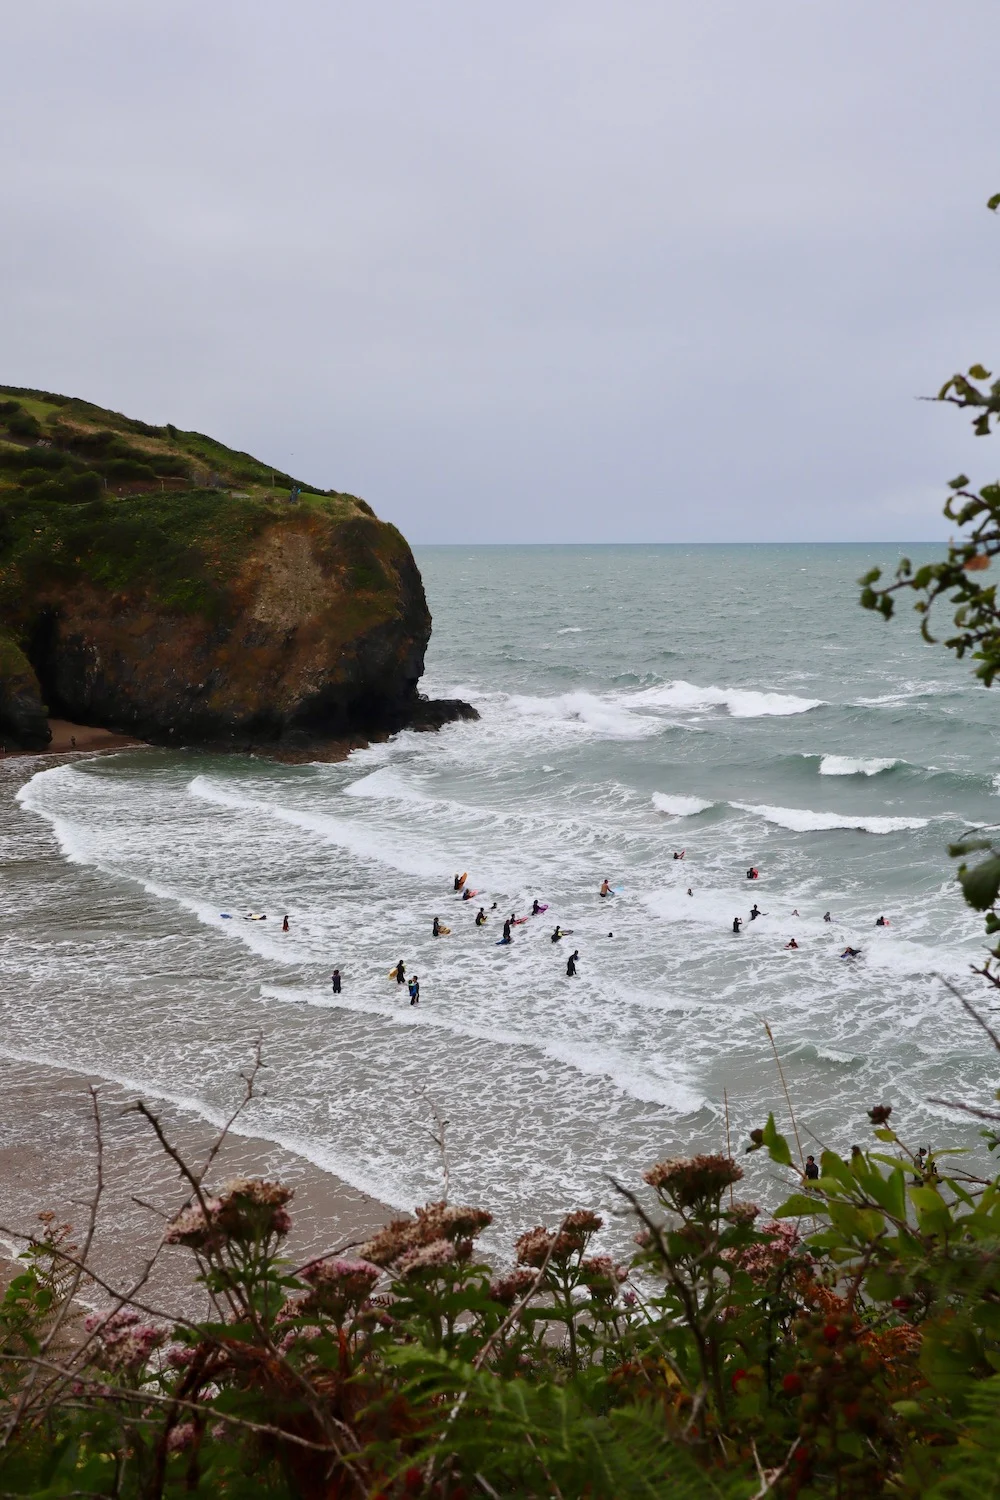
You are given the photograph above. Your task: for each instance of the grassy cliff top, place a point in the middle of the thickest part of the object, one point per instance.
(90, 495)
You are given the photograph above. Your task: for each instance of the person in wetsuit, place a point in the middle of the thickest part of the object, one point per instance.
(571, 963)
(335, 977)
(827, 917)
(557, 935)
(851, 953)
(284, 925)
(810, 1171)
(791, 943)
(737, 924)
(756, 912)
(436, 928)
(506, 931)
(414, 988)
(881, 922)
(467, 895)
(535, 908)
(480, 918)
(400, 972)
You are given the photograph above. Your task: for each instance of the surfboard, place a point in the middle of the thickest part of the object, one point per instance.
(461, 880)
(443, 931)
(503, 943)
(227, 914)
(542, 906)
(520, 921)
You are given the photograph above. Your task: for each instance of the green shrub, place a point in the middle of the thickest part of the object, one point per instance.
(127, 468)
(22, 424)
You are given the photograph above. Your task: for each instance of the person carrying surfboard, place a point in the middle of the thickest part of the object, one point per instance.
(557, 934)
(460, 881)
(400, 972)
(480, 918)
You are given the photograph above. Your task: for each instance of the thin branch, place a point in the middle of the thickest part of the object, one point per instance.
(788, 1097)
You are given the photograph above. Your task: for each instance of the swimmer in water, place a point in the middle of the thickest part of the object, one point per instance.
(756, 912)
(535, 908)
(571, 963)
(606, 889)
(851, 953)
(681, 855)
(795, 912)
(480, 918)
(881, 922)
(690, 891)
(467, 895)
(335, 979)
(737, 924)
(827, 917)
(752, 873)
(791, 943)
(556, 935)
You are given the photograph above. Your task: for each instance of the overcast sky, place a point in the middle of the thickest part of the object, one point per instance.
(539, 270)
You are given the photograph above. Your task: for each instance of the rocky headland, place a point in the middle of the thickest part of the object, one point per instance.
(158, 584)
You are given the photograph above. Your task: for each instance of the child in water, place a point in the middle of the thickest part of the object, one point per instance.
(414, 988)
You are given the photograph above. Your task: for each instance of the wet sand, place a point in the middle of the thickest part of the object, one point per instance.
(48, 1162)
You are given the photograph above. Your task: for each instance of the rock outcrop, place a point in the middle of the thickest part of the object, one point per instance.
(185, 612)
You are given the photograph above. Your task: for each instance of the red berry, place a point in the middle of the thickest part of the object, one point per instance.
(792, 1385)
(738, 1375)
(413, 1481)
(831, 1333)
(902, 1304)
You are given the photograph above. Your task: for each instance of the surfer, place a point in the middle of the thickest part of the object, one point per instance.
(737, 924)
(467, 895)
(881, 922)
(557, 934)
(795, 912)
(336, 981)
(436, 929)
(535, 907)
(681, 855)
(480, 918)
(827, 917)
(753, 873)
(459, 882)
(690, 891)
(851, 953)
(506, 930)
(400, 972)
(284, 925)
(571, 963)
(756, 912)
(791, 943)
(414, 989)
(606, 889)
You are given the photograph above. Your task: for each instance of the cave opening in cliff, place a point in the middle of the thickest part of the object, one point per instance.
(42, 651)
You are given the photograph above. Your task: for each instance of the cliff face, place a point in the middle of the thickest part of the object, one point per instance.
(184, 613)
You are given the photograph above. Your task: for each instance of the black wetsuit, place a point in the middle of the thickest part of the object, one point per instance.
(811, 1171)
(400, 972)
(737, 923)
(506, 932)
(480, 917)
(571, 965)
(436, 929)
(556, 935)
(336, 981)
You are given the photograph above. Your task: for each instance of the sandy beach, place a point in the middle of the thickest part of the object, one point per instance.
(68, 739)
(48, 1162)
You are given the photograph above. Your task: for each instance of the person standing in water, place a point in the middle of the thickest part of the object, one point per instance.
(571, 963)
(827, 917)
(737, 924)
(480, 918)
(756, 912)
(284, 925)
(557, 935)
(400, 972)
(336, 981)
(414, 988)
(535, 907)
(810, 1171)
(506, 931)
(881, 922)
(436, 929)
(606, 889)
(791, 943)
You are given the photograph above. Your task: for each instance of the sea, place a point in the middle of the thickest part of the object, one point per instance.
(729, 704)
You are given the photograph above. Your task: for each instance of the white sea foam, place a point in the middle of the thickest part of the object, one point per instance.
(742, 703)
(606, 1063)
(804, 820)
(602, 716)
(855, 765)
(679, 807)
(570, 630)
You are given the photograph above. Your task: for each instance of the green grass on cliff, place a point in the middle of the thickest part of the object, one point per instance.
(89, 495)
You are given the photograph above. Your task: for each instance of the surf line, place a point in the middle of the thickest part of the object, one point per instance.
(611, 1071)
(311, 1152)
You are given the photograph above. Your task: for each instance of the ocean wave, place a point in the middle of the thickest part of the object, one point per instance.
(603, 1063)
(679, 807)
(804, 820)
(856, 765)
(742, 703)
(570, 630)
(600, 715)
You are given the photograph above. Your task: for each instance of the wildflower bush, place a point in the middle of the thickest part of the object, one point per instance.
(846, 1345)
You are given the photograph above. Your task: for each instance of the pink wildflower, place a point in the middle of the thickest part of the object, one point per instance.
(690, 1181)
